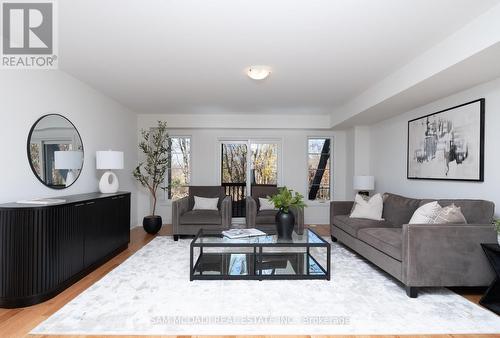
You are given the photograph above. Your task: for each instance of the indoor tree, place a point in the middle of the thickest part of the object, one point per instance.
(151, 172)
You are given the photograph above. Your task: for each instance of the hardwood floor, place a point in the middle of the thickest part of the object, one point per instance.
(18, 322)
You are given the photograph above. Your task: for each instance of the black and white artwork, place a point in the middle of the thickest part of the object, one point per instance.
(448, 145)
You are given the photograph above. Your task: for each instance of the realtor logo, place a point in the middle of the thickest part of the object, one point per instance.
(28, 35)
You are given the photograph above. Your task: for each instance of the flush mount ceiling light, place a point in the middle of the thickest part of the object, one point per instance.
(259, 72)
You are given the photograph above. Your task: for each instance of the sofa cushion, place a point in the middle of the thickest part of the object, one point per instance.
(474, 211)
(399, 209)
(202, 217)
(266, 217)
(387, 240)
(353, 225)
(369, 209)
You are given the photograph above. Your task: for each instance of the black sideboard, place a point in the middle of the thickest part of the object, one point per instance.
(45, 249)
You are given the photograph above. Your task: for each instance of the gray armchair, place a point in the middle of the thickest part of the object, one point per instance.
(187, 221)
(265, 219)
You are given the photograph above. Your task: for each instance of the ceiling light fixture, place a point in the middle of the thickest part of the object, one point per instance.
(258, 72)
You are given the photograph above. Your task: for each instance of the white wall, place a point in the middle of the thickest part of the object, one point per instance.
(205, 161)
(389, 142)
(103, 124)
(358, 156)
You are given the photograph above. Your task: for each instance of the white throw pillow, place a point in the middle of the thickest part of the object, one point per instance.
(426, 213)
(371, 209)
(202, 203)
(265, 204)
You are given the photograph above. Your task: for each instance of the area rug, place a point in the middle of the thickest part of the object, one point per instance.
(150, 294)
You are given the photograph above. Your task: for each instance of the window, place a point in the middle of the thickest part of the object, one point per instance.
(264, 164)
(179, 173)
(318, 165)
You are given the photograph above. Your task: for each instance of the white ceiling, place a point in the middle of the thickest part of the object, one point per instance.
(188, 56)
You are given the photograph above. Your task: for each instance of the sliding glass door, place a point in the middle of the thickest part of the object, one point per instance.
(246, 164)
(234, 173)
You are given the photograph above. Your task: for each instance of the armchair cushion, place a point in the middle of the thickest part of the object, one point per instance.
(387, 240)
(266, 217)
(353, 225)
(264, 204)
(203, 203)
(263, 192)
(201, 217)
(207, 192)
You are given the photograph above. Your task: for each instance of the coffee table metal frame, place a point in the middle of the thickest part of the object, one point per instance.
(258, 254)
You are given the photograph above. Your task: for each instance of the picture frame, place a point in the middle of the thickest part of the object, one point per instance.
(448, 144)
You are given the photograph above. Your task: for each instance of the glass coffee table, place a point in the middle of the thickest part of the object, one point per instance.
(215, 257)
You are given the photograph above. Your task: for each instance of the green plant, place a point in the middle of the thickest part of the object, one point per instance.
(496, 224)
(286, 198)
(151, 172)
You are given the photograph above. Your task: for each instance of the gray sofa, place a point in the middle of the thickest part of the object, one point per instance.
(187, 221)
(420, 255)
(264, 220)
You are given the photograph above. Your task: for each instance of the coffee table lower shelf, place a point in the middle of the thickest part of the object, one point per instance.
(257, 266)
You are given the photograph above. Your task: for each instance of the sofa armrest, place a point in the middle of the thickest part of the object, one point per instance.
(226, 209)
(446, 254)
(340, 208)
(251, 211)
(179, 207)
(298, 214)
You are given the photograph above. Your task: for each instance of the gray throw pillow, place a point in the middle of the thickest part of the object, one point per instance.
(399, 209)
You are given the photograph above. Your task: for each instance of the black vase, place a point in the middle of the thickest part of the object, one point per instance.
(285, 222)
(152, 224)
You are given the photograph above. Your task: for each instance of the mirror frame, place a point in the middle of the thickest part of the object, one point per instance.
(28, 150)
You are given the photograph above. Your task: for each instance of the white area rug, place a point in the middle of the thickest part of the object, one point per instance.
(150, 293)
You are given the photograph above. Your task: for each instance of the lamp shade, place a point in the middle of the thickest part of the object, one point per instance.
(68, 159)
(364, 183)
(109, 159)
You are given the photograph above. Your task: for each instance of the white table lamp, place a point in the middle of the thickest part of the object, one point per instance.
(109, 160)
(364, 184)
(68, 160)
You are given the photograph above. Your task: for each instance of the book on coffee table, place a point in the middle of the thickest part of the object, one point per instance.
(242, 233)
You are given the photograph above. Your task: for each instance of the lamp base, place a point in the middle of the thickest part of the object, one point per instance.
(70, 178)
(365, 193)
(109, 183)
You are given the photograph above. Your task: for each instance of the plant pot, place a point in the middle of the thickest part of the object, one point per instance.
(285, 222)
(152, 224)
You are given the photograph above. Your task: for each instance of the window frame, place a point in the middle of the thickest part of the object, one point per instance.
(330, 162)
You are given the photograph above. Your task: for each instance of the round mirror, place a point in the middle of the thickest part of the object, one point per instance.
(55, 151)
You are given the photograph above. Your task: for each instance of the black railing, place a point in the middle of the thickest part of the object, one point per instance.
(237, 191)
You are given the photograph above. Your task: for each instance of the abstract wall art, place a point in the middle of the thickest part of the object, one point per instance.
(448, 145)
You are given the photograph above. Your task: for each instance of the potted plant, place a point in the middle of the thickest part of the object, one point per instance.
(152, 171)
(283, 201)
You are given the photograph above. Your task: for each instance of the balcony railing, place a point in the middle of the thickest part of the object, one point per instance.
(238, 193)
